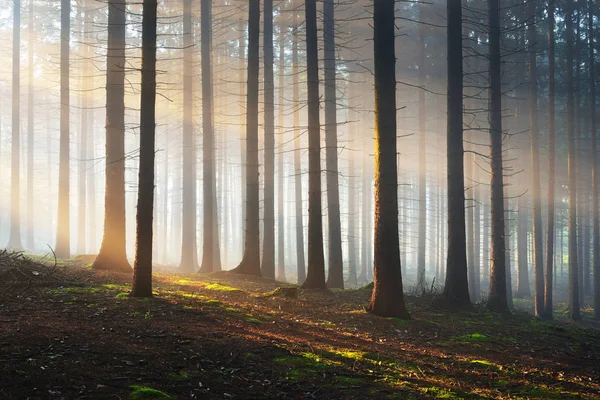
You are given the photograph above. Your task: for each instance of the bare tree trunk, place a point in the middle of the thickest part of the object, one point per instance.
(456, 290)
(421, 280)
(280, 168)
(250, 263)
(497, 297)
(315, 277)
(142, 266)
(387, 298)
(352, 209)
(189, 255)
(165, 204)
(595, 181)
(30, 133)
(113, 255)
(63, 232)
(551, 167)
(268, 260)
(523, 290)
(574, 312)
(14, 242)
(300, 260)
(241, 66)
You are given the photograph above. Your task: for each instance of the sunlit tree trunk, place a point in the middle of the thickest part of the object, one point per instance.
(165, 204)
(456, 290)
(241, 66)
(112, 255)
(189, 255)
(387, 298)
(352, 195)
(523, 290)
(14, 242)
(315, 277)
(574, 312)
(300, 259)
(497, 300)
(250, 263)
(268, 260)
(30, 133)
(142, 267)
(63, 231)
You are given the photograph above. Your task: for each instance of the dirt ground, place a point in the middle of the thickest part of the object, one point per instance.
(223, 336)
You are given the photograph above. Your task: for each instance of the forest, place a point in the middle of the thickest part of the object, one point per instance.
(299, 199)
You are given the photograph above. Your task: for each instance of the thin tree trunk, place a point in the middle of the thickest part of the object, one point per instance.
(300, 260)
(421, 279)
(595, 181)
(165, 204)
(574, 312)
(523, 290)
(14, 242)
(352, 210)
(497, 300)
(30, 133)
(113, 255)
(280, 169)
(63, 230)
(456, 290)
(315, 277)
(250, 263)
(268, 260)
(241, 55)
(189, 255)
(387, 299)
(142, 267)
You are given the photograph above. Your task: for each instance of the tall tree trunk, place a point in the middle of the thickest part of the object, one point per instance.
(30, 133)
(456, 290)
(14, 242)
(63, 231)
(268, 260)
(300, 260)
(422, 239)
(352, 209)
(241, 55)
(574, 312)
(315, 277)
(365, 259)
(142, 266)
(113, 254)
(189, 255)
(470, 223)
(551, 167)
(497, 297)
(523, 290)
(335, 278)
(387, 298)
(165, 204)
(280, 169)
(538, 246)
(595, 181)
(208, 163)
(476, 232)
(250, 263)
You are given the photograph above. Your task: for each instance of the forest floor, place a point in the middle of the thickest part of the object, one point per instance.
(223, 336)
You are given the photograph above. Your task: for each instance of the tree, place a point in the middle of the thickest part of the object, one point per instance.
(142, 266)
(315, 277)
(30, 131)
(387, 299)
(268, 254)
(14, 241)
(497, 300)
(335, 278)
(574, 312)
(189, 255)
(280, 169)
(112, 255)
(421, 282)
(538, 246)
(456, 288)
(551, 166)
(250, 264)
(595, 181)
(63, 230)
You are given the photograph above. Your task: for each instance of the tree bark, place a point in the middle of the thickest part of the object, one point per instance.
(421, 279)
(189, 254)
(280, 169)
(30, 133)
(595, 181)
(387, 299)
(250, 264)
(456, 290)
(142, 266)
(315, 277)
(113, 255)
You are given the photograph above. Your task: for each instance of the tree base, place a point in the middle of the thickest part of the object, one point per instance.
(246, 268)
(120, 266)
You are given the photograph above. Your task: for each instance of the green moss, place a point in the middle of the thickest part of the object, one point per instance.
(397, 321)
(253, 320)
(213, 302)
(122, 295)
(146, 393)
(474, 337)
(221, 288)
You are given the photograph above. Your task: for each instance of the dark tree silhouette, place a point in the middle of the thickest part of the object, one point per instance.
(142, 266)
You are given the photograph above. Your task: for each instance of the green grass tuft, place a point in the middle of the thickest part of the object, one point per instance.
(146, 393)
